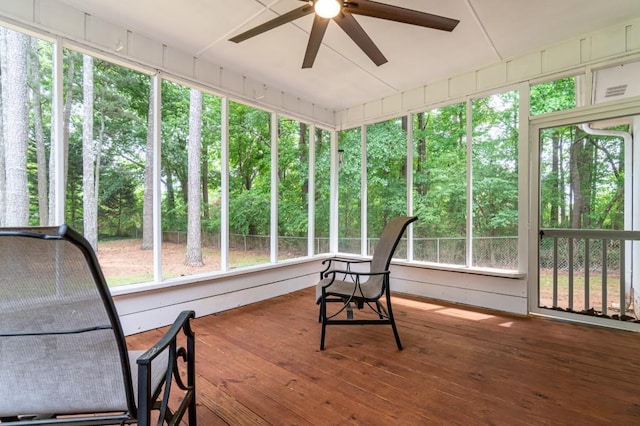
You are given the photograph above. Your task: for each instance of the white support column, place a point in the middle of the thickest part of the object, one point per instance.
(469, 237)
(274, 188)
(633, 152)
(156, 82)
(333, 193)
(311, 191)
(363, 191)
(523, 178)
(224, 184)
(58, 199)
(409, 171)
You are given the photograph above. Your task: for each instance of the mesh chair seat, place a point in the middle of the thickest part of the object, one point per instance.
(63, 349)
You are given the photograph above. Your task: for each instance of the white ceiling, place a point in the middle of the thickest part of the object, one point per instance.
(342, 76)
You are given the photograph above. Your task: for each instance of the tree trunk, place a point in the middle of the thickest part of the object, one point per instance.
(554, 218)
(194, 243)
(41, 154)
(147, 206)
(15, 102)
(580, 169)
(205, 182)
(89, 154)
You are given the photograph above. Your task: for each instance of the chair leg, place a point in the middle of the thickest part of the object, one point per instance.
(393, 324)
(323, 320)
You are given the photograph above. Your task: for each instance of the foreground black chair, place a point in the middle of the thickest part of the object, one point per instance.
(63, 355)
(349, 283)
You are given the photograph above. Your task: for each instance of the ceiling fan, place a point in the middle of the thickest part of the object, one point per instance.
(342, 14)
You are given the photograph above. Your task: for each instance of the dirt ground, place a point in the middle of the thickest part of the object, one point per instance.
(124, 262)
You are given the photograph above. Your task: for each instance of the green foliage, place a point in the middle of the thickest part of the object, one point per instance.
(557, 95)
(249, 170)
(439, 172)
(572, 162)
(386, 173)
(349, 182)
(293, 178)
(249, 213)
(118, 205)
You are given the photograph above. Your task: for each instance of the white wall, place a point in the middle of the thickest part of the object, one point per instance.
(152, 308)
(497, 291)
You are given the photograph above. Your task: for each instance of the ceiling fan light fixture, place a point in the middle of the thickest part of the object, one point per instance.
(327, 8)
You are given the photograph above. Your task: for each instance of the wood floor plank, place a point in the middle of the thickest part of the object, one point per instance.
(261, 364)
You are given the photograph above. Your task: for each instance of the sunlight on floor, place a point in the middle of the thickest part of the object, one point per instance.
(460, 313)
(416, 304)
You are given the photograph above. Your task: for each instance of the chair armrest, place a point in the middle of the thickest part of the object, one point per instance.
(343, 260)
(148, 392)
(355, 275)
(181, 323)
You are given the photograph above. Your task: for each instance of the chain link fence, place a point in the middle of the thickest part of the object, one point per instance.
(492, 252)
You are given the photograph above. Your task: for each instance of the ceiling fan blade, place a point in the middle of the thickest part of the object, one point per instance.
(400, 14)
(276, 22)
(315, 38)
(350, 26)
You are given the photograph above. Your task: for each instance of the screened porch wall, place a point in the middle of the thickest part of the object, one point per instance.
(507, 293)
(574, 56)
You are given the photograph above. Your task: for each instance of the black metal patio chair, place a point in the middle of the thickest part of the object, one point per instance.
(361, 282)
(63, 355)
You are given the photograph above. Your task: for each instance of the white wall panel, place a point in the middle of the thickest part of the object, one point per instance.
(306, 109)
(275, 97)
(159, 307)
(493, 76)
(178, 62)
(146, 50)
(500, 293)
(106, 35)
(254, 90)
(392, 104)
(609, 42)
(290, 103)
(68, 21)
(231, 82)
(373, 109)
(413, 98)
(350, 115)
(524, 67)
(19, 9)
(207, 73)
(436, 92)
(462, 85)
(324, 115)
(560, 57)
(633, 36)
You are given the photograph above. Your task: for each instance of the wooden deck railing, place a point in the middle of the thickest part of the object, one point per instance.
(590, 271)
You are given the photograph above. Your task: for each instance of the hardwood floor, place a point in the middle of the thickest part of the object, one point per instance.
(261, 364)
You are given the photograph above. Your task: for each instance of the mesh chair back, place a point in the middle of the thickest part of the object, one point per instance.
(60, 340)
(386, 247)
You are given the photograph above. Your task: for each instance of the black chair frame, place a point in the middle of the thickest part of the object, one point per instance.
(351, 287)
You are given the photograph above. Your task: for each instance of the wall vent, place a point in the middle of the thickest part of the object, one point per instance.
(615, 91)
